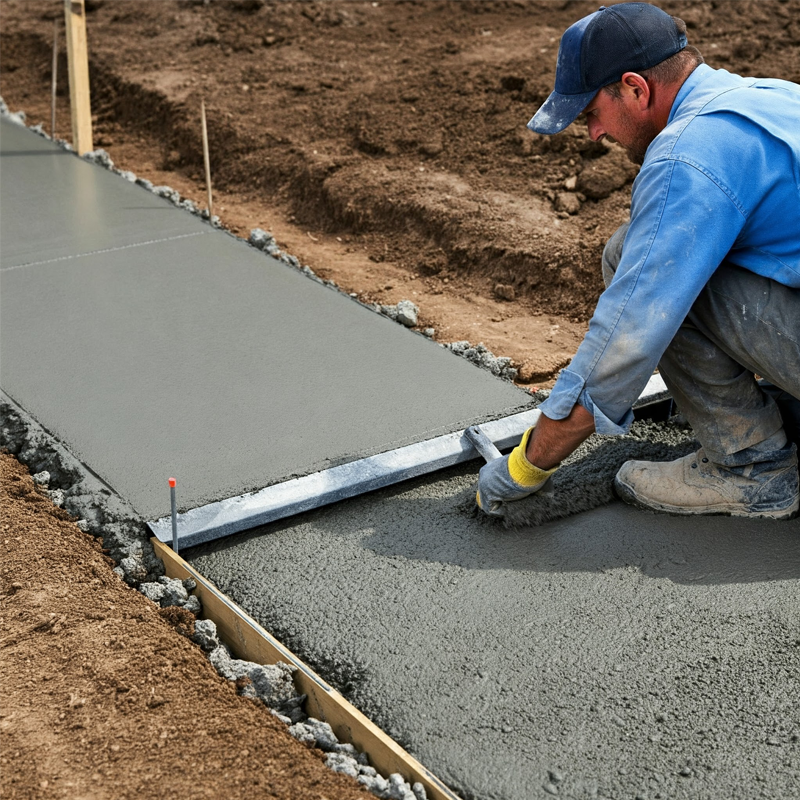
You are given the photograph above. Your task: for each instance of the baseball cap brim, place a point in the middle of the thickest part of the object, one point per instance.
(559, 111)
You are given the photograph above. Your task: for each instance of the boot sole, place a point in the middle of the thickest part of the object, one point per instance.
(627, 494)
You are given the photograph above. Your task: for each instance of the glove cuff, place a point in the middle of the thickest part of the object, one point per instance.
(521, 470)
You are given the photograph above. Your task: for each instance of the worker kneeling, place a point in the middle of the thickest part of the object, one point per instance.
(703, 281)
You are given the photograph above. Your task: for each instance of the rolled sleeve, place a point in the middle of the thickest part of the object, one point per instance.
(570, 389)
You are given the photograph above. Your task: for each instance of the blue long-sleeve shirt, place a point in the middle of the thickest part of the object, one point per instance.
(720, 182)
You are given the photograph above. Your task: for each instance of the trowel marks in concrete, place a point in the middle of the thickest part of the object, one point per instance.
(163, 347)
(585, 480)
(612, 654)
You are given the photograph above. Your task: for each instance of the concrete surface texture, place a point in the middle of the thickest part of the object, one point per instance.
(614, 654)
(153, 345)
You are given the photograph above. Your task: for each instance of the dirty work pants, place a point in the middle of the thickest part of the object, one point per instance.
(741, 325)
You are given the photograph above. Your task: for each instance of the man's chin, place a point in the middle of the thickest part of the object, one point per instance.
(635, 155)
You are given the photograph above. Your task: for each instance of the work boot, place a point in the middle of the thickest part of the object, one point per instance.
(695, 485)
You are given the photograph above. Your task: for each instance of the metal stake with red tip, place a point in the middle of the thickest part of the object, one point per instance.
(172, 484)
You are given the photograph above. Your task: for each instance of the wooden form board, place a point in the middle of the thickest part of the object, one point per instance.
(78, 58)
(248, 640)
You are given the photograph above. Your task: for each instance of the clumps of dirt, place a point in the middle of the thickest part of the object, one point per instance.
(601, 177)
(179, 619)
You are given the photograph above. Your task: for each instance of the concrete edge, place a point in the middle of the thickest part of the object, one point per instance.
(250, 641)
(223, 518)
(233, 515)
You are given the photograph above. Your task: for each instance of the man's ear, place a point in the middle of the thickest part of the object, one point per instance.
(637, 87)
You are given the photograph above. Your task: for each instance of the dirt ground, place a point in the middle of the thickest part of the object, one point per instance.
(102, 698)
(383, 143)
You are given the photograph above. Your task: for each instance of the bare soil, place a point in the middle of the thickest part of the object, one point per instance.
(383, 143)
(103, 698)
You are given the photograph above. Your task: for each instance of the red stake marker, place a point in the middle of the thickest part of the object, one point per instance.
(172, 484)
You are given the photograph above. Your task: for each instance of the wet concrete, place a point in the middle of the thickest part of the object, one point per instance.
(198, 357)
(614, 654)
(56, 206)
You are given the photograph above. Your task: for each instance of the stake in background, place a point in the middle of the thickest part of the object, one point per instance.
(55, 80)
(172, 483)
(206, 159)
(78, 58)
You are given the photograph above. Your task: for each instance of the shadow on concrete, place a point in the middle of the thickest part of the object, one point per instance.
(399, 523)
(709, 550)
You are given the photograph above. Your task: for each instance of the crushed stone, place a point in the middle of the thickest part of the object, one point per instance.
(273, 684)
(205, 634)
(41, 478)
(57, 497)
(481, 356)
(407, 313)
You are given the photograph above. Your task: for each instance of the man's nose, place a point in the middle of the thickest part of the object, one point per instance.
(596, 130)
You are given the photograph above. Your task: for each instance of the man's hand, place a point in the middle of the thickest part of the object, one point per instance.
(516, 475)
(511, 477)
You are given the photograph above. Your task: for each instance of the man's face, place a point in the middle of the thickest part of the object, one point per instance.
(621, 119)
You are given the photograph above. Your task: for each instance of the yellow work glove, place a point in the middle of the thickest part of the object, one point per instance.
(511, 477)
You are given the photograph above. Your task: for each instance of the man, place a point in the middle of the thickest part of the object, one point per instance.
(703, 282)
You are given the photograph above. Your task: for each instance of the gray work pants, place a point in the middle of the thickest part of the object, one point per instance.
(741, 325)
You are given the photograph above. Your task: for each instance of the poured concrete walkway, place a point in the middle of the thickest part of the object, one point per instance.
(153, 345)
(615, 654)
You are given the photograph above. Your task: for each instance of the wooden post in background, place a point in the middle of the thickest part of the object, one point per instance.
(206, 158)
(78, 57)
(54, 80)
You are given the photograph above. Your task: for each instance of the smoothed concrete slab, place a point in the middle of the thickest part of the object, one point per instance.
(612, 654)
(54, 205)
(203, 359)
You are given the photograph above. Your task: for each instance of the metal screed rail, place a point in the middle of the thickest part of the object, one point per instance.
(281, 500)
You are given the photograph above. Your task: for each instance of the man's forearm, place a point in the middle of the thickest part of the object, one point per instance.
(554, 439)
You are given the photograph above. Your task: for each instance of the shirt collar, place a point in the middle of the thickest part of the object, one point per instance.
(698, 76)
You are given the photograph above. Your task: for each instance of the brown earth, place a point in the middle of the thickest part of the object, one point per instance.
(103, 699)
(383, 143)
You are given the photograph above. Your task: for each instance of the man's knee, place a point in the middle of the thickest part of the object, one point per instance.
(612, 253)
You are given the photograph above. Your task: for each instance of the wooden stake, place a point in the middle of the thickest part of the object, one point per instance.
(78, 57)
(55, 80)
(206, 159)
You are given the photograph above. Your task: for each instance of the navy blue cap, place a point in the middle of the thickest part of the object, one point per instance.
(598, 50)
